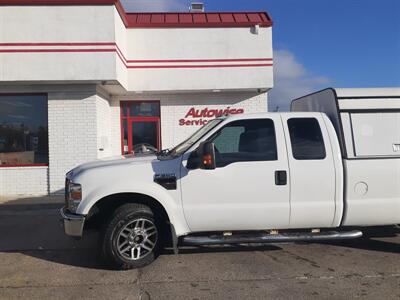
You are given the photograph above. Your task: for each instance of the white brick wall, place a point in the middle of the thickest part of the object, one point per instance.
(175, 107)
(83, 119)
(24, 181)
(72, 139)
(103, 123)
(79, 121)
(72, 133)
(115, 138)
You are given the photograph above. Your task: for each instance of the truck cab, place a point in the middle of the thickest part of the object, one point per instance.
(271, 171)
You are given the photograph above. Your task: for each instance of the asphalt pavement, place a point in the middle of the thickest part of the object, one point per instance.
(37, 261)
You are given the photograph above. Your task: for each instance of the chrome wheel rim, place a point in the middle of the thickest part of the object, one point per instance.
(137, 239)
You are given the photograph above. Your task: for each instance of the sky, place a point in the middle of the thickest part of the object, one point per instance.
(318, 43)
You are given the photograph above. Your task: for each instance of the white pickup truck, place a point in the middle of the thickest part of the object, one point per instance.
(256, 178)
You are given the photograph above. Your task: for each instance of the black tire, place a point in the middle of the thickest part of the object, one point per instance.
(123, 216)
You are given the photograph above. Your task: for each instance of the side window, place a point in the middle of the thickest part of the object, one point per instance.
(245, 140)
(306, 138)
(376, 134)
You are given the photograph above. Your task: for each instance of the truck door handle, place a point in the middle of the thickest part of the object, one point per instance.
(280, 177)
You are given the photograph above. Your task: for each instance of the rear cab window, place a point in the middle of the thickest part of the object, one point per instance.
(306, 139)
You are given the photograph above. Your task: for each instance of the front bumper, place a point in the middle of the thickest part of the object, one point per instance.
(73, 224)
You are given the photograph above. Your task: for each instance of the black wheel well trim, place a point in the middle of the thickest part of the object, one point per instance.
(174, 238)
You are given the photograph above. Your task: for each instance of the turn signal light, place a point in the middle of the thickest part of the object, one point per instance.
(207, 160)
(76, 195)
(75, 192)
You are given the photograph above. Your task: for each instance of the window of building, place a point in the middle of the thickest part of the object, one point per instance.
(245, 140)
(144, 109)
(141, 127)
(23, 130)
(306, 138)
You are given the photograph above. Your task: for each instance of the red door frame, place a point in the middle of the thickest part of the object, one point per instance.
(130, 120)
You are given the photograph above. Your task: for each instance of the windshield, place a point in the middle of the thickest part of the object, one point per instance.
(194, 138)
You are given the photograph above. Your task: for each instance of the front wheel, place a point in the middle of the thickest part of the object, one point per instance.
(130, 239)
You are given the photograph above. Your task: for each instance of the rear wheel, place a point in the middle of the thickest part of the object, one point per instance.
(131, 238)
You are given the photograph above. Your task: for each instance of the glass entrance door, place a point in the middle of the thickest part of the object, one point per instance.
(145, 136)
(140, 126)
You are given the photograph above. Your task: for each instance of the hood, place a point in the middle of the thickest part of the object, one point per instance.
(112, 162)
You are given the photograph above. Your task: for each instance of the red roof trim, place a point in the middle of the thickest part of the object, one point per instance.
(165, 20)
(138, 64)
(23, 165)
(199, 66)
(205, 20)
(58, 44)
(57, 2)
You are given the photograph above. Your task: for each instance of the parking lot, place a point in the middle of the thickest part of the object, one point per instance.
(38, 261)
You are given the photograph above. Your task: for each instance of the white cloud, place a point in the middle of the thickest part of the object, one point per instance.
(291, 80)
(155, 5)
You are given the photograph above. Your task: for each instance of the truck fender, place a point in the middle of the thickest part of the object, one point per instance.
(172, 205)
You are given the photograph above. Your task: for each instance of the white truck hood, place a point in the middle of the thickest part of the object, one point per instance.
(112, 162)
(129, 174)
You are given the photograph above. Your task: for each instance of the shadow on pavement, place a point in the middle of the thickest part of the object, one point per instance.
(35, 229)
(374, 239)
(31, 203)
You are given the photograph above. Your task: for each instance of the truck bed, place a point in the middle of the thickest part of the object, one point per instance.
(367, 123)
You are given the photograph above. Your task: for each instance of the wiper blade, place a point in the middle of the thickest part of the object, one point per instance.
(163, 152)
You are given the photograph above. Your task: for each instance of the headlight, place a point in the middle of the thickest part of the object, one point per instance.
(73, 193)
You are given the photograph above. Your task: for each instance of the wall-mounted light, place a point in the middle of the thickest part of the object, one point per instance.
(196, 7)
(255, 29)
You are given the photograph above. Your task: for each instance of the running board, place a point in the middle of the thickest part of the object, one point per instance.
(270, 238)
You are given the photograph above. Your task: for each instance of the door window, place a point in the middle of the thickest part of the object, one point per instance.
(306, 138)
(245, 140)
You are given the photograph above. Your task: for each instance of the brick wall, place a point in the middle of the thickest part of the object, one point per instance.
(83, 120)
(24, 181)
(175, 106)
(72, 133)
(79, 121)
(103, 124)
(115, 127)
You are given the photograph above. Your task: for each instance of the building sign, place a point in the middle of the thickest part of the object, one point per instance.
(201, 117)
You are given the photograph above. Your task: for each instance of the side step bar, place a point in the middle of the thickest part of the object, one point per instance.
(270, 238)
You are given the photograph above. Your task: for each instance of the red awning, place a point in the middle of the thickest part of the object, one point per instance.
(212, 19)
(165, 20)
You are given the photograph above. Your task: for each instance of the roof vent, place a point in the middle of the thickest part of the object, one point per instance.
(196, 7)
